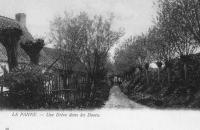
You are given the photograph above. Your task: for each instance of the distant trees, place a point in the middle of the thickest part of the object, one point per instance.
(172, 43)
(124, 59)
(133, 53)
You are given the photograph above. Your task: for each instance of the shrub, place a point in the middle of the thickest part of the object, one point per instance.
(26, 87)
(180, 93)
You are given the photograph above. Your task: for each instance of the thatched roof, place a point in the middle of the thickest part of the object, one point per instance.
(47, 56)
(26, 36)
(8, 24)
(9, 27)
(12, 27)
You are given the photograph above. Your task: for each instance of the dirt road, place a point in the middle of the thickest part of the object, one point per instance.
(118, 100)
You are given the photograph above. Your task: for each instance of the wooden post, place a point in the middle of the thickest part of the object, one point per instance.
(146, 70)
(2, 89)
(158, 74)
(159, 64)
(185, 71)
(147, 77)
(168, 75)
(185, 59)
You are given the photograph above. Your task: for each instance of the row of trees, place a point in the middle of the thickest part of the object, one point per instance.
(172, 43)
(176, 33)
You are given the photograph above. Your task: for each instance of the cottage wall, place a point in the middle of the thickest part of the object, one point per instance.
(3, 65)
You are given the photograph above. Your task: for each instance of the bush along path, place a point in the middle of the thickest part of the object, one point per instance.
(118, 100)
(177, 88)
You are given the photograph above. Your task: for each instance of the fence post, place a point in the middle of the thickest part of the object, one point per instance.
(146, 70)
(2, 89)
(159, 64)
(185, 71)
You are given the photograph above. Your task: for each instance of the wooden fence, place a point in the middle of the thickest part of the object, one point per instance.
(73, 93)
(76, 88)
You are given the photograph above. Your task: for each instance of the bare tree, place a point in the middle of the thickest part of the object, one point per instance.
(67, 34)
(85, 41)
(180, 19)
(99, 40)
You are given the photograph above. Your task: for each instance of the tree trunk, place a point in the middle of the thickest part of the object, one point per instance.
(158, 74)
(147, 77)
(159, 64)
(185, 71)
(93, 84)
(88, 87)
(168, 76)
(92, 89)
(64, 78)
(2, 89)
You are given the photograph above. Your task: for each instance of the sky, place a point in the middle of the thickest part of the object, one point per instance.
(135, 16)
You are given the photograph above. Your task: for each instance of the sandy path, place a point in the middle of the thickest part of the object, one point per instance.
(118, 100)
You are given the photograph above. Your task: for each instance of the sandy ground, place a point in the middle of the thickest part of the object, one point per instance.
(118, 100)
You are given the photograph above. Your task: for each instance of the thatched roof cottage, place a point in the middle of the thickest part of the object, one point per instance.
(16, 29)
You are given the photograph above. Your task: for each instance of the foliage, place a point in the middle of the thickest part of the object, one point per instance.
(26, 87)
(184, 13)
(172, 40)
(180, 93)
(132, 53)
(170, 16)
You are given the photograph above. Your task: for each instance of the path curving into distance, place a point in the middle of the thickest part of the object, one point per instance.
(118, 100)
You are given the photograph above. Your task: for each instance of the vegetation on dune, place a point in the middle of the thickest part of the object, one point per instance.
(82, 46)
(161, 93)
(172, 44)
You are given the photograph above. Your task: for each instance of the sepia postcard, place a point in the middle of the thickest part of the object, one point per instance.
(99, 64)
